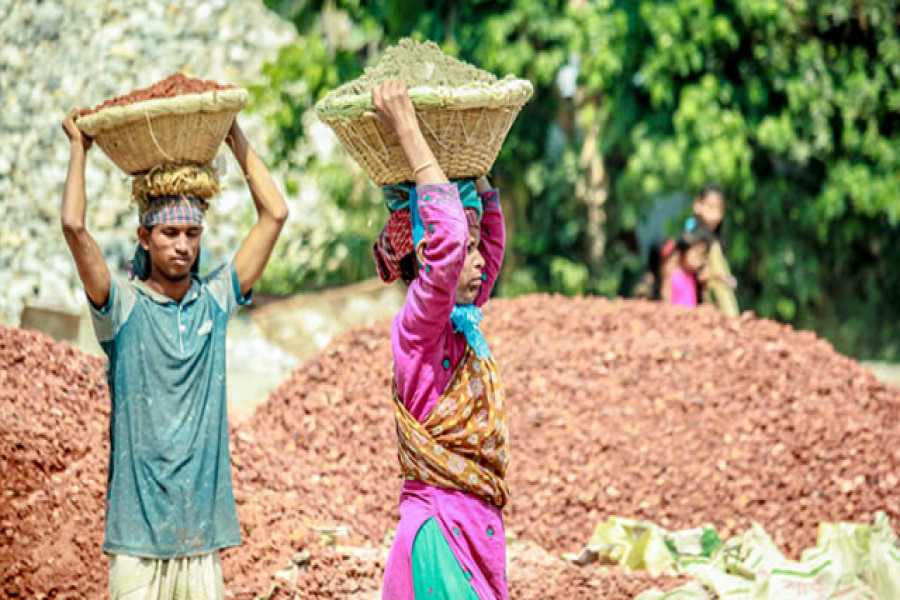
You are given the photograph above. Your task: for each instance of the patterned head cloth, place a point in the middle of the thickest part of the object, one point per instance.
(165, 210)
(393, 243)
(403, 230)
(473, 218)
(173, 210)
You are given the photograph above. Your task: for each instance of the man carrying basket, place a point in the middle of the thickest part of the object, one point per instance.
(170, 507)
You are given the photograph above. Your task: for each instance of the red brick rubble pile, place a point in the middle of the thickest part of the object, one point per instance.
(54, 419)
(627, 408)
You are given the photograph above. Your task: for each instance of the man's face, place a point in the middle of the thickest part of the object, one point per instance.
(173, 249)
(710, 208)
(470, 279)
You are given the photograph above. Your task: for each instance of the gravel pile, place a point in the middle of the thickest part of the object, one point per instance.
(175, 84)
(628, 408)
(54, 419)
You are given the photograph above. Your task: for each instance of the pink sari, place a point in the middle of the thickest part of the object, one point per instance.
(426, 354)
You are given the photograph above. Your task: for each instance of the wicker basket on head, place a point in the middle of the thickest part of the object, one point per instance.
(182, 129)
(465, 125)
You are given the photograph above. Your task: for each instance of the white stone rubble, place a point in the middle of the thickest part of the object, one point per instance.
(69, 53)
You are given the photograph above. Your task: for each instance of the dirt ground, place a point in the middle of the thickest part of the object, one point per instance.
(626, 408)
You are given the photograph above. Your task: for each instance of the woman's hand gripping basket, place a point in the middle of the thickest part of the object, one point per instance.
(176, 121)
(464, 113)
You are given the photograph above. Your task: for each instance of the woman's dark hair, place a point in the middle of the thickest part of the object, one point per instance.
(659, 251)
(654, 267)
(698, 235)
(408, 268)
(687, 239)
(711, 188)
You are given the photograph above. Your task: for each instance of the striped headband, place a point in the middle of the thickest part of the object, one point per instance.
(173, 210)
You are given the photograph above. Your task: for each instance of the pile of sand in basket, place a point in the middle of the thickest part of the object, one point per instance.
(464, 112)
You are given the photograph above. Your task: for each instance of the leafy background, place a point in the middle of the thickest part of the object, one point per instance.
(792, 106)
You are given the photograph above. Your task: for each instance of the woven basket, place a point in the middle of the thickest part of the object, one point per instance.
(465, 128)
(187, 128)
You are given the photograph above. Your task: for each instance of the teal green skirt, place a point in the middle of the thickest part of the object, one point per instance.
(436, 572)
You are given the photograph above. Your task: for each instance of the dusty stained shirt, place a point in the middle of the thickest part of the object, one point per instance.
(169, 482)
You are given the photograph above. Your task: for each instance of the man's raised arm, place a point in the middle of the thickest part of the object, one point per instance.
(88, 258)
(252, 256)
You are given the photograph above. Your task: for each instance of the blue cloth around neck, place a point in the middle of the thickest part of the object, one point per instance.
(465, 319)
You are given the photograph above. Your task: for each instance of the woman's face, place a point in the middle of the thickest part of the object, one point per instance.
(710, 209)
(470, 279)
(695, 257)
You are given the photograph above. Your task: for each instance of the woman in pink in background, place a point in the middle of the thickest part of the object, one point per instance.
(446, 241)
(691, 251)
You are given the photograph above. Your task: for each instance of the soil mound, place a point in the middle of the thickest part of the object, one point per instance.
(54, 421)
(416, 64)
(629, 408)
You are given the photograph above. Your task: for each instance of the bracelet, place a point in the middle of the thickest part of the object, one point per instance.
(421, 168)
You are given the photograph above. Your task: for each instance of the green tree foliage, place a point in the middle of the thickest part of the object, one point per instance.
(791, 105)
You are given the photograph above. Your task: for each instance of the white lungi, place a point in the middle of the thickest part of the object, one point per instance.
(188, 578)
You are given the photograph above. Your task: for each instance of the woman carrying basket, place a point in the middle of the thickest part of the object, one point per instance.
(446, 241)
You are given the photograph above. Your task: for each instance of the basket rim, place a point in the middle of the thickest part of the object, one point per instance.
(212, 101)
(503, 93)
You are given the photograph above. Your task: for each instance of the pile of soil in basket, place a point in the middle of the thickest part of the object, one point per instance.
(176, 84)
